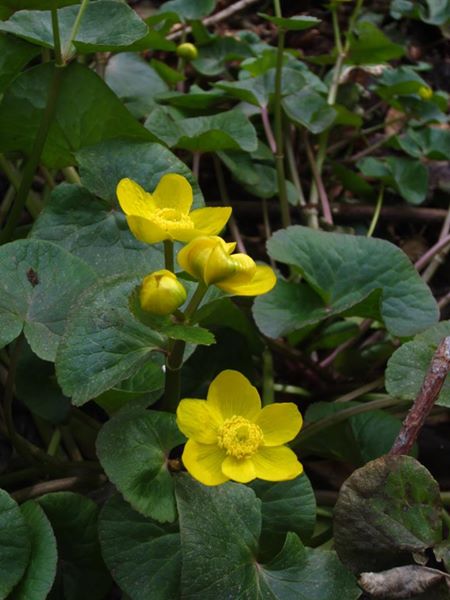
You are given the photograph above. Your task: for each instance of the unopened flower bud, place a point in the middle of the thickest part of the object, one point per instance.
(161, 293)
(187, 51)
(425, 92)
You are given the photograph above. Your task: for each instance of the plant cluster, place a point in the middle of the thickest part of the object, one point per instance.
(138, 322)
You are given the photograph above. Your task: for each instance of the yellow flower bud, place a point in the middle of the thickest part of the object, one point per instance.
(161, 293)
(187, 51)
(425, 92)
(210, 259)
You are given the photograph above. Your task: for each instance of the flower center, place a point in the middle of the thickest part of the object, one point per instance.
(239, 437)
(171, 218)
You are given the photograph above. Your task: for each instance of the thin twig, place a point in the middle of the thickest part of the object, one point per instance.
(216, 18)
(431, 253)
(268, 129)
(438, 259)
(58, 485)
(428, 394)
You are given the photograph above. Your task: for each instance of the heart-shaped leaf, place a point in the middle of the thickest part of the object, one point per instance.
(344, 273)
(133, 448)
(39, 282)
(15, 544)
(40, 574)
(143, 555)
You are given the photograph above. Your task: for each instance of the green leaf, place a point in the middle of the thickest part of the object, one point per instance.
(81, 571)
(220, 527)
(135, 82)
(408, 177)
(213, 57)
(260, 90)
(356, 440)
(189, 9)
(96, 231)
(39, 282)
(409, 364)
(37, 388)
(120, 26)
(143, 555)
(344, 273)
(411, 178)
(195, 99)
(256, 173)
(369, 45)
(133, 448)
(309, 109)
(14, 55)
(353, 182)
(227, 130)
(80, 120)
(401, 81)
(296, 23)
(15, 545)
(104, 343)
(435, 12)
(41, 570)
(431, 142)
(386, 511)
(102, 167)
(287, 506)
(36, 4)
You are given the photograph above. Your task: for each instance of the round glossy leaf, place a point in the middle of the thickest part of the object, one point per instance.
(41, 570)
(15, 545)
(133, 448)
(81, 571)
(143, 555)
(39, 282)
(387, 511)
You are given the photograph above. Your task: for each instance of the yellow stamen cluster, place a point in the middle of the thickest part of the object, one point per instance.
(239, 437)
(170, 218)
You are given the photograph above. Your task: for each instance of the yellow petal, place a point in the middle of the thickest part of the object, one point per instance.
(239, 469)
(146, 230)
(173, 191)
(280, 423)
(133, 199)
(217, 267)
(230, 393)
(210, 221)
(262, 282)
(198, 420)
(204, 462)
(276, 464)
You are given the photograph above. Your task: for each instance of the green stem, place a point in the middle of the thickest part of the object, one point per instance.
(376, 214)
(75, 29)
(293, 170)
(33, 161)
(279, 156)
(54, 442)
(174, 360)
(268, 392)
(314, 428)
(169, 261)
(56, 38)
(71, 175)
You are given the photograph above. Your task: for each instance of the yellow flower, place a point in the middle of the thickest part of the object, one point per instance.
(161, 293)
(231, 437)
(165, 214)
(210, 260)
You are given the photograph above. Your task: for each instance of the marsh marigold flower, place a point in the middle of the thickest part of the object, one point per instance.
(161, 293)
(210, 260)
(165, 213)
(231, 437)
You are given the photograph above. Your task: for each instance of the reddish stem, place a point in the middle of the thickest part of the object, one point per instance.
(429, 392)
